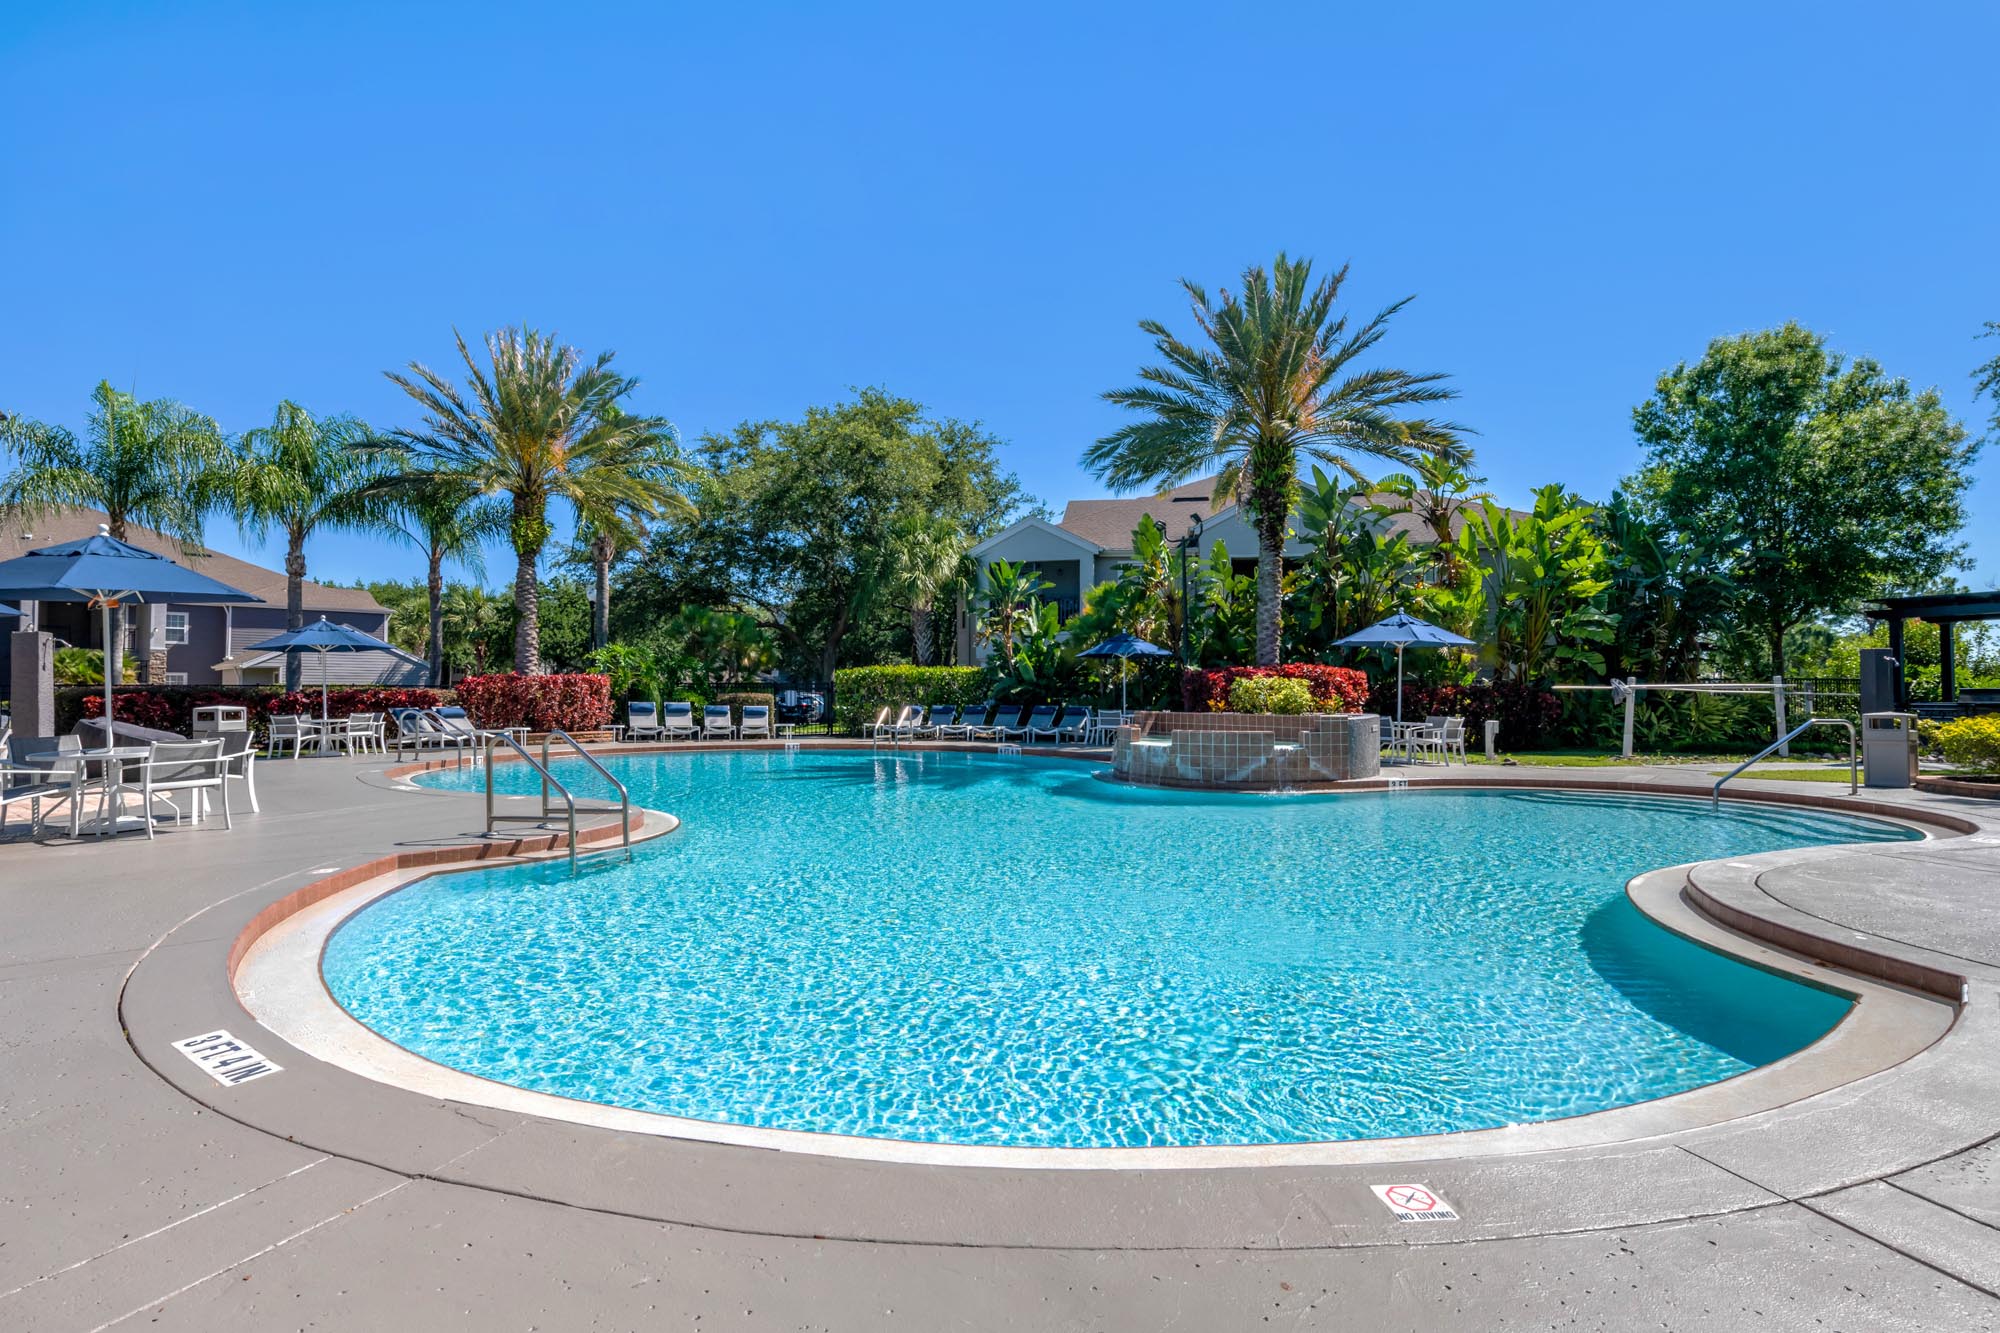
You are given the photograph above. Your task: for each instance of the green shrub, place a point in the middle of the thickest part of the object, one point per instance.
(1269, 694)
(1972, 742)
(859, 693)
(752, 697)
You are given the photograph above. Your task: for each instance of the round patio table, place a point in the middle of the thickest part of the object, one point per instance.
(111, 818)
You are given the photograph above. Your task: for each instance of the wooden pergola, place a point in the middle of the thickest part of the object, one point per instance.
(1943, 609)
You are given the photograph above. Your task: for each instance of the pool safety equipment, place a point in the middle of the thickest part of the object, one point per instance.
(1889, 748)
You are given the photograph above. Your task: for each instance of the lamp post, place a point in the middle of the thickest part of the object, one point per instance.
(1192, 537)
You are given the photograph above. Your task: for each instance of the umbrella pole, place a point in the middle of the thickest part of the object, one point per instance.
(1399, 684)
(110, 670)
(324, 716)
(1121, 684)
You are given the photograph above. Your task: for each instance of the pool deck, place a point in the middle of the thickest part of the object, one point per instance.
(136, 1190)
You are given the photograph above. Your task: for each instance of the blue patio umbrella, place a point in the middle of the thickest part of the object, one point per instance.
(1401, 631)
(6, 610)
(1124, 647)
(323, 637)
(106, 573)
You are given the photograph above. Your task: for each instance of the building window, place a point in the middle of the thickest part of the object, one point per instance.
(177, 678)
(177, 628)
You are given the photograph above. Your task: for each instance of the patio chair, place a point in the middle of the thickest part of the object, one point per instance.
(367, 732)
(1075, 726)
(936, 718)
(677, 719)
(53, 781)
(1003, 721)
(908, 723)
(239, 757)
(716, 723)
(288, 729)
(969, 721)
(642, 720)
(413, 731)
(756, 722)
(1104, 724)
(1041, 722)
(1427, 740)
(1454, 738)
(195, 767)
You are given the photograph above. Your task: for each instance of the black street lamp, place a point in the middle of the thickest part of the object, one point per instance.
(1192, 537)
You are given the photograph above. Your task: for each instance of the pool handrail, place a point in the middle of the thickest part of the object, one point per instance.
(1853, 765)
(624, 810)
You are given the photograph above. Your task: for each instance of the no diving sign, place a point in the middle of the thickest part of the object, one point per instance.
(1415, 1203)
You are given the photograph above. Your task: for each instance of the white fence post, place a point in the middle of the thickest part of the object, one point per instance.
(1778, 704)
(1631, 701)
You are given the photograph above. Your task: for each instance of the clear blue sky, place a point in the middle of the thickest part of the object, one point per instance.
(758, 206)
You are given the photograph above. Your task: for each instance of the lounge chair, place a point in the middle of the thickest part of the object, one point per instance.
(1075, 726)
(677, 719)
(1004, 721)
(879, 727)
(642, 720)
(909, 723)
(936, 718)
(968, 722)
(1040, 723)
(195, 767)
(756, 722)
(716, 723)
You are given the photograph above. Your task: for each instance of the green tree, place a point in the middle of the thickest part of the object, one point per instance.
(1986, 380)
(298, 475)
(539, 424)
(153, 463)
(1819, 482)
(562, 629)
(794, 519)
(1010, 606)
(441, 515)
(477, 629)
(1439, 492)
(1548, 573)
(925, 564)
(407, 605)
(1273, 383)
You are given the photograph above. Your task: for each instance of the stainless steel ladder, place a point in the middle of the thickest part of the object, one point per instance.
(1853, 765)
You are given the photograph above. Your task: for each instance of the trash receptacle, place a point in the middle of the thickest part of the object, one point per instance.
(1889, 749)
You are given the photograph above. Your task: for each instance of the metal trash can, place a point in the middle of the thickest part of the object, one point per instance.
(1889, 749)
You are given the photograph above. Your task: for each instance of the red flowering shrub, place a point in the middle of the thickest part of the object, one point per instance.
(1334, 689)
(539, 703)
(171, 707)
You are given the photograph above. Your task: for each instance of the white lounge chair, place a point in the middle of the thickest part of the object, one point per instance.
(937, 718)
(1041, 722)
(969, 721)
(908, 724)
(716, 723)
(1075, 725)
(677, 719)
(879, 727)
(756, 722)
(1004, 721)
(195, 767)
(642, 720)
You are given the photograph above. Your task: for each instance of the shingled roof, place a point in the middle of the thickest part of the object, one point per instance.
(19, 536)
(1109, 523)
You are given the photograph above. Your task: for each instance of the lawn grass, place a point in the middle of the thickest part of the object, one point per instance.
(1790, 774)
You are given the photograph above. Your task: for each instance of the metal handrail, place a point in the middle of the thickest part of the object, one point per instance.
(1853, 765)
(624, 796)
(548, 780)
(461, 740)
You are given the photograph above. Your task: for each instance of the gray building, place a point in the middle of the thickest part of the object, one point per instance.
(173, 644)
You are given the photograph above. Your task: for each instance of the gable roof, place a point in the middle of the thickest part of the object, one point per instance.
(1109, 523)
(1033, 524)
(19, 536)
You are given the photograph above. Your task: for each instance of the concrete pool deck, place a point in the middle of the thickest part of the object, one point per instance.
(136, 1189)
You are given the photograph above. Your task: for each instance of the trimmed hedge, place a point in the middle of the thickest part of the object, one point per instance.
(859, 693)
(171, 707)
(1334, 689)
(1270, 694)
(737, 699)
(539, 703)
(1972, 742)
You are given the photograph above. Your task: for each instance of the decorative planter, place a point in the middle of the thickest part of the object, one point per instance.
(1985, 789)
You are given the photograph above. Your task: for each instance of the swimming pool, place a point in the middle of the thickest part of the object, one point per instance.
(1007, 951)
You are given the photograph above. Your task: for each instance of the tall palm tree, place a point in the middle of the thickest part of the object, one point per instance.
(473, 619)
(155, 464)
(540, 424)
(927, 561)
(1273, 384)
(441, 516)
(299, 474)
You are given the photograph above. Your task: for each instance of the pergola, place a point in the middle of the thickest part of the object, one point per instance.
(1943, 609)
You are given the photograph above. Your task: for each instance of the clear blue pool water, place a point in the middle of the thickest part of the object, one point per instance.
(978, 950)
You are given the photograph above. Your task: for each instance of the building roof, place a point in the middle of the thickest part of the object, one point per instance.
(1938, 606)
(19, 536)
(1109, 523)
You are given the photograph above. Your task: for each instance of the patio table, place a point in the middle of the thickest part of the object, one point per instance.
(111, 816)
(322, 732)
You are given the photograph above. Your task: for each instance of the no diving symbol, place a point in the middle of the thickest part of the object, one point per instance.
(1415, 1203)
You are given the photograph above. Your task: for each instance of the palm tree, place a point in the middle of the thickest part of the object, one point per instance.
(1435, 496)
(541, 424)
(1274, 384)
(153, 463)
(473, 618)
(1009, 605)
(927, 561)
(442, 517)
(299, 474)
